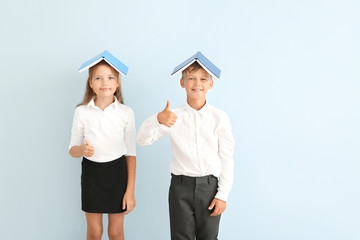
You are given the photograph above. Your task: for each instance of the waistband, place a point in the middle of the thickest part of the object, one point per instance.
(202, 179)
(88, 161)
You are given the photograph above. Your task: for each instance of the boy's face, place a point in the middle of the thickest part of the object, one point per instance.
(196, 84)
(104, 82)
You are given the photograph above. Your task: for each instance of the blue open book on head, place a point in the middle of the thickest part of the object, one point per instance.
(109, 58)
(204, 63)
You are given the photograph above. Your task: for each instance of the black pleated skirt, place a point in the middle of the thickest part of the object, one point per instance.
(103, 185)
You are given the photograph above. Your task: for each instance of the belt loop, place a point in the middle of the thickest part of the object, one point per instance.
(181, 178)
(208, 178)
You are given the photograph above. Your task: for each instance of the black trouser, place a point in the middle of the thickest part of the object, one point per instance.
(189, 199)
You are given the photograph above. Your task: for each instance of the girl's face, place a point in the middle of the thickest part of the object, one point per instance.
(103, 82)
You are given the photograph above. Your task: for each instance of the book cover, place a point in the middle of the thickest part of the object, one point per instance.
(109, 58)
(203, 61)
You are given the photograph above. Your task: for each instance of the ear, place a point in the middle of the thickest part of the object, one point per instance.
(90, 83)
(182, 83)
(211, 83)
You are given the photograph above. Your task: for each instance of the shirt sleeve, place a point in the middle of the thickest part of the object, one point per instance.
(226, 151)
(77, 131)
(151, 130)
(130, 133)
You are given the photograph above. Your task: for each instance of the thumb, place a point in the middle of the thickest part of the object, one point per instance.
(87, 142)
(212, 204)
(167, 105)
(124, 204)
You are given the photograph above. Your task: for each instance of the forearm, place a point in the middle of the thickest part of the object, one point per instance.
(227, 171)
(225, 183)
(131, 168)
(76, 151)
(150, 131)
(226, 153)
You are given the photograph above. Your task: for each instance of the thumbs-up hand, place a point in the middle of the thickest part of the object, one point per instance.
(87, 149)
(167, 117)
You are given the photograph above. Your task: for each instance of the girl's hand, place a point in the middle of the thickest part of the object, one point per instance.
(129, 202)
(219, 205)
(167, 117)
(87, 149)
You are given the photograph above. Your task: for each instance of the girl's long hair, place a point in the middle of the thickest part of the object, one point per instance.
(90, 94)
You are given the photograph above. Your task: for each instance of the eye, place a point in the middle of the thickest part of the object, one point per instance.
(111, 78)
(203, 79)
(191, 78)
(97, 78)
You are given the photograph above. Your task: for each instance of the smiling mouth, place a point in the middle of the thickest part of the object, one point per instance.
(104, 89)
(196, 90)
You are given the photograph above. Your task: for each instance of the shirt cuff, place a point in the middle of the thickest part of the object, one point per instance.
(222, 195)
(154, 121)
(131, 154)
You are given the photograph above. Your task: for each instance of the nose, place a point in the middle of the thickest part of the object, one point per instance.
(104, 81)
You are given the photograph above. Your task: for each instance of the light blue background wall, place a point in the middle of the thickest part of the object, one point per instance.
(290, 84)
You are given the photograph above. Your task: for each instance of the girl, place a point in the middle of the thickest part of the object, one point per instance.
(109, 159)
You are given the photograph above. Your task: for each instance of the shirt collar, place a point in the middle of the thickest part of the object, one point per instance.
(91, 104)
(203, 110)
(114, 105)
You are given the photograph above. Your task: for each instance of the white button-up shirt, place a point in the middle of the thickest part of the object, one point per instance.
(202, 143)
(111, 132)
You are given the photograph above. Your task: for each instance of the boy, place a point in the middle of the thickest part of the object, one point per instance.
(202, 146)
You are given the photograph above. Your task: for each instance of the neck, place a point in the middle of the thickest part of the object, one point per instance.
(103, 102)
(196, 104)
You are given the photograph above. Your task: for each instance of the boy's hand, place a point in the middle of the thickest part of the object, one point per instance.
(167, 117)
(220, 206)
(87, 149)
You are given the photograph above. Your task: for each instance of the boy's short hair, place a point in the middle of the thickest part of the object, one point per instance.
(192, 68)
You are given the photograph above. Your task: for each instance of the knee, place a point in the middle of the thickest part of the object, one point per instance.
(95, 233)
(116, 233)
